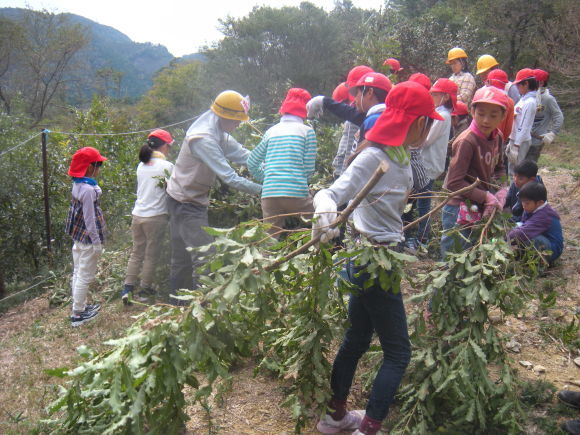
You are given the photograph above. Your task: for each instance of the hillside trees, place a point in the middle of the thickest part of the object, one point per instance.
(39, 59)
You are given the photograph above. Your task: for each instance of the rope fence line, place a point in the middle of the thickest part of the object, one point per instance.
(12, 295)
(20, 144)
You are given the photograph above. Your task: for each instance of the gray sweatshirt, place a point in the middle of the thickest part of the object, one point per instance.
(548, 117)
(378, 216)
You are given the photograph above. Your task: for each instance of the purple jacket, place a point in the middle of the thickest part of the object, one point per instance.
(544, 221)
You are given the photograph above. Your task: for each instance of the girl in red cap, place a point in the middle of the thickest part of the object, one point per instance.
(405, 122)
(283, 161)
(476, 153)
(525, 111)
(548, 120)
(499, 79)
(86, 225)
(149, 216)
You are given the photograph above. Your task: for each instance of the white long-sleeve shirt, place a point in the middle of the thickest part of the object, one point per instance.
(434, 150)
(151, 200)
(524, 113)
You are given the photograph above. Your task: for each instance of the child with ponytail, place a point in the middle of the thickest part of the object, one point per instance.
(149, 215)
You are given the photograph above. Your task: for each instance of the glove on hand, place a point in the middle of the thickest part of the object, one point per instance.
(491, 202)
(315, 106)
(512, 150)
(324, 215)
(501, 196)
(548, 138)
(98, 249)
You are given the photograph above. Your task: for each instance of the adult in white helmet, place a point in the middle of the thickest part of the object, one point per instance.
(205, 154)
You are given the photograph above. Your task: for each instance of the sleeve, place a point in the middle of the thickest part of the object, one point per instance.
(210, 153)
(557, 115)
(344, 111)
(499, 172)
(88, 197)
(256, 160)
(436, 131)
(354, 178)
(346, 141)
(508, 122)
(457, 172)
(536, 224)
(524, 123)
(512, 197)
(310, 153)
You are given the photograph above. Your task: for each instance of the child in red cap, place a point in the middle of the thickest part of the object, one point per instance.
(525, 111)
(149, 216)
(86, 225)
(499, 79)
(476, 153)
(283, 161)
(405, 122)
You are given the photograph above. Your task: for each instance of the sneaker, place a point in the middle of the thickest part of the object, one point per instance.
(411, 245)
(84, 317)
(126, 293)
(571, 426)
(146, 295)
(570, 398)
(92, 307)
(350, 421)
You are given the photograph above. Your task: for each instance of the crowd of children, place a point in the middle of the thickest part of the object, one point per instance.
(408, 125)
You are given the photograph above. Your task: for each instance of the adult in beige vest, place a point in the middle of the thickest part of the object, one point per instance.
(204, 155)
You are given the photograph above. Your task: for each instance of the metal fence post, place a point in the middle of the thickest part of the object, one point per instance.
(45, 185)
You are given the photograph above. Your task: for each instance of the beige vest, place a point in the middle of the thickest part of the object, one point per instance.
(191, 179)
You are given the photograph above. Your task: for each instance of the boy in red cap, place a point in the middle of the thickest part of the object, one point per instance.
(499, 79)
(476, 153)
(524, 113)
(86, 225)
(548, 120)
(405, 122)
(283, 161)
(149, 216)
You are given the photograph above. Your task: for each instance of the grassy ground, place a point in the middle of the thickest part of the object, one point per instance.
(35, 337)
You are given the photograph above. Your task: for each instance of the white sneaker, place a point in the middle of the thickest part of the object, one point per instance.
(350, 421)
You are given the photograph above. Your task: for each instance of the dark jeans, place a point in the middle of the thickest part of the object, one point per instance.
(373, 310)
(449, 240)
(185, 222)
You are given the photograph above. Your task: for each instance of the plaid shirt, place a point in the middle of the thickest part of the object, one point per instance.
(76, 226)
(466, 86)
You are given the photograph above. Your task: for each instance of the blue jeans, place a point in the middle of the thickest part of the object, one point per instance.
(373, 310)
(449, 215)
(542, 243)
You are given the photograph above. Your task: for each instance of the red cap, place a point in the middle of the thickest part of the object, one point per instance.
(447, 87)
(497, 78)
(422, 79)
(341, 93)
(405, 103)
(82, 159)
(374, 80)
(356, 73)
(541, 75)
(524, 74)
(165, 136)
(394, 64)
(490, 95)
(295, 102)
(460, 109)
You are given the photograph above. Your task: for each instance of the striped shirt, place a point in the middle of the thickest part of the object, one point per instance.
(284, 159)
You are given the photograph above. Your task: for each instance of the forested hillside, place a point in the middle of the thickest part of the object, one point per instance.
(267, 308)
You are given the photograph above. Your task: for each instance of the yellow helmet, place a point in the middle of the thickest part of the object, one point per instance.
(485, 63)
(455, 53)
(231, 105)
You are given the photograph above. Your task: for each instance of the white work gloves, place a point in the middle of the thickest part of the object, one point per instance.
(324, 215)
(98, 249)
(511, 151)
(548, 138)
(491, 202)
(315, 107)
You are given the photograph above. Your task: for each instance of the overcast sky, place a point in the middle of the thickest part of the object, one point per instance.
(181, 25)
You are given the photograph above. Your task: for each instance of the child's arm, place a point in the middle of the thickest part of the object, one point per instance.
(535, 225)
(344, 111)
(88, 196)
(256, 160)
(458, 169)
(524, 121)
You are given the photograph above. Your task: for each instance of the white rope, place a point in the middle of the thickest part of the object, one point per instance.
(20, 144)
(29, 288)
(125, 133)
